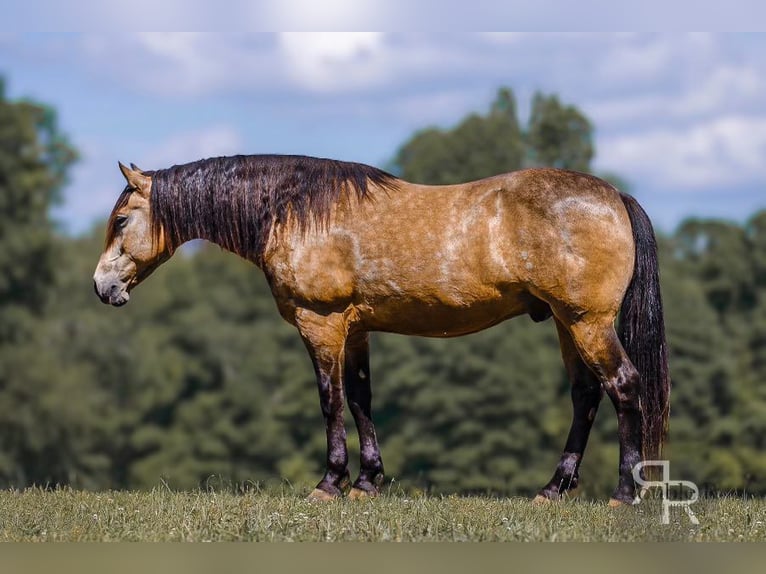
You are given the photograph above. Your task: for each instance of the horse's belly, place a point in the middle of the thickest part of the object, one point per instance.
(441, 318)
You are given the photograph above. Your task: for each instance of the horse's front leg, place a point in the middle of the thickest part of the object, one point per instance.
(357, 379)
(325, 339)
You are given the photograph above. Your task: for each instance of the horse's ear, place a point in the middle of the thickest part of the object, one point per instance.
(135, 178)
(125, 171)
(134, 167)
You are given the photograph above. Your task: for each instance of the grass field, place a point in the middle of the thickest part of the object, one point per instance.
(161, 515)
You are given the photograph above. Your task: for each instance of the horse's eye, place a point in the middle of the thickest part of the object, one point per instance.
(120, 221)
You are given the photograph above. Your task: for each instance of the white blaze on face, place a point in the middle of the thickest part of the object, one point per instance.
(113, 275)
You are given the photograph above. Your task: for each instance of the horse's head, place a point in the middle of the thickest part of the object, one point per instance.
(134, 246)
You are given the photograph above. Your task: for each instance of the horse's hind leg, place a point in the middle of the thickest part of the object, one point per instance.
(600, 348)
(357, 382)
(586, 395)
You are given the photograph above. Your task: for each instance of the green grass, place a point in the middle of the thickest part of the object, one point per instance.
(161, 515)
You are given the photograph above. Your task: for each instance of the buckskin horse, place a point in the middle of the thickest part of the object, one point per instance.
(348, 249)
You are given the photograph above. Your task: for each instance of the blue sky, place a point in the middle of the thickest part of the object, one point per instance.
(682, 117)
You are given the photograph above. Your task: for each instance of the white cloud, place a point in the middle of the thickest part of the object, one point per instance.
(720, 153)
(726, 87)
(185, 60)
(723, 89)
(642, 58)
(631, 62)
(180, 65)
(334, 61)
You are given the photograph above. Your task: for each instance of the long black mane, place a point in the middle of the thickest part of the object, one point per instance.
(235, 201)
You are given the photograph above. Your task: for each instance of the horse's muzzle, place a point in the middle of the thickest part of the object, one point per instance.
(112, 295)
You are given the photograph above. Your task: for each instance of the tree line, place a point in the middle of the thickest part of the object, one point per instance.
(200, 380)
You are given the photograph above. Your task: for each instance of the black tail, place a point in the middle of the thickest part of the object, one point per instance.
(642, 332)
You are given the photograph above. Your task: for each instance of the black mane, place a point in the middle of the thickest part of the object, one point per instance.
(234, 201)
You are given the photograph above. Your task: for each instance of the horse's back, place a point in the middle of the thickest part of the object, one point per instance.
(563, 236)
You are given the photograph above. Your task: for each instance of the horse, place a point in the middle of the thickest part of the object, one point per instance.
(348, 249)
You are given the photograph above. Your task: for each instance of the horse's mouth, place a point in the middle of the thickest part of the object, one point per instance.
(115, 296)
(120, 299)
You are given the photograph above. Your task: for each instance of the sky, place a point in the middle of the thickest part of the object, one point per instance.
(680, 116)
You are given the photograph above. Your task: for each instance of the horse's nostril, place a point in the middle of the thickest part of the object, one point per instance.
(104, 297)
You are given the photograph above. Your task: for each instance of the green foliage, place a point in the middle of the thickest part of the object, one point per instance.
(200, 380)
(481, 146)
(477, 147)
(718, 252)
(558, 135)
(714, 306)
(34, 157)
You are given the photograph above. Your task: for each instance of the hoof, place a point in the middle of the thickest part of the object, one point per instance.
(540, 499)
(359, 494)
(318, 495)
(614, 503)
(566, 495)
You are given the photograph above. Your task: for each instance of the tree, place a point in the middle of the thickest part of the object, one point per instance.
(755, 230)
(558, 135)
(718, 254)
(34, 158)
(477, 147)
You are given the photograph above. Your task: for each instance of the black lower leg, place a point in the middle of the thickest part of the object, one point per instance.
(336, 477)
(586, 395)
(624, 395)
(357, 378)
